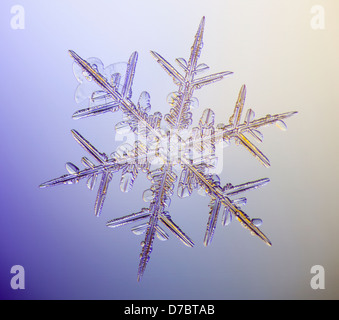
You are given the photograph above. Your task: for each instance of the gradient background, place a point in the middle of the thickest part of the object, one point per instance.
(270, 46)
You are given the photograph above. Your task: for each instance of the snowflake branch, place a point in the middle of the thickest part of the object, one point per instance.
(136, 115)
(216, 192)
(179, 116)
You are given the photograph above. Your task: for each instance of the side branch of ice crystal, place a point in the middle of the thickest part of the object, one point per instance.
(167, 149)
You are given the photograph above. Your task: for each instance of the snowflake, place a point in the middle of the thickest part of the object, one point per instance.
(167, 149)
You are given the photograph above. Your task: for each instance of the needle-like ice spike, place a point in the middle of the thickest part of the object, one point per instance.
(127, 87)
(101, 157)
(212, 222)
(147, 246)
(197, 46)
(235, 118)
(68, 178)
(168, 222)
(177, 77)
(198, 83)
(253, 149)
(93, 111)
(118, 222)
(246, 187)
(102, 192)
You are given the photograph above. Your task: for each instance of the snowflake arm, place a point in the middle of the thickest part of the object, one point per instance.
(215, 206)
(159, 194)
(106, 168)
(119, 76)
(136, 116)
(181, 101)
(216, 192)
(236, 130)
(163, 180)
(125, 159)
(113, 74)
(90, 93)
(143, 214)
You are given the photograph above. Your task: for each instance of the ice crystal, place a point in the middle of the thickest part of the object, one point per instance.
(167, 149)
